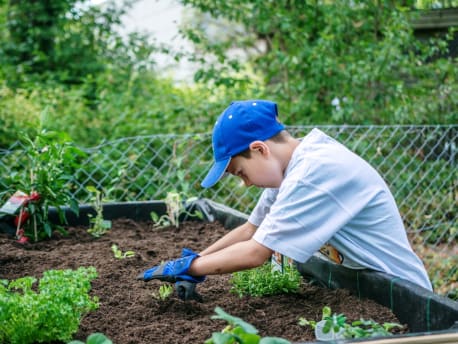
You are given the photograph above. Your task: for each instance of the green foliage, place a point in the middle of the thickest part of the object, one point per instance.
(164, 292)
(442, 265)
(239, 331)
(265, 280)
(66, 41)
(19, 114)
(99, 226)
(119, 254)
(46, 168)
(53, 313)
(337, 324)
(327, 61)
(94, 338)
(176, 207)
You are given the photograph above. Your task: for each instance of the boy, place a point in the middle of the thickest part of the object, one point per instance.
(317, 193)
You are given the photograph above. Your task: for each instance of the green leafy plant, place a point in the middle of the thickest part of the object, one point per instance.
(119, 254)
(164, 292)
(336, 326)
(49, 161)
(52, 313)
(99, 226)
(264, 280)
(176, 207)
(239, 331)
(94, 338)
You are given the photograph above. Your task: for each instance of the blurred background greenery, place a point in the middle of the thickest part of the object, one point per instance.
(64, 65)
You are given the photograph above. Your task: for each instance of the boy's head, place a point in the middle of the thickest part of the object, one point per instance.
(239, 125)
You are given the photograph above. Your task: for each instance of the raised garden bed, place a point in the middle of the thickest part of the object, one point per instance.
(129, 313)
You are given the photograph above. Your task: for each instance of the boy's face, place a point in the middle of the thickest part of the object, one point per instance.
(261, 169)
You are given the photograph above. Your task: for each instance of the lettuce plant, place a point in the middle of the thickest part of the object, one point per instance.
(52, 313)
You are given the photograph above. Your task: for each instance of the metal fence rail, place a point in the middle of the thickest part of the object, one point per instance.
(419, 163)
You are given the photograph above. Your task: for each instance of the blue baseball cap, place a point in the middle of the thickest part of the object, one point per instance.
(240, 124)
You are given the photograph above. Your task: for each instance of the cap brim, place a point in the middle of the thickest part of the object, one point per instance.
(216, 173)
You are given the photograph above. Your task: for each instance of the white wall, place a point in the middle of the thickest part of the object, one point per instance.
(160, 18)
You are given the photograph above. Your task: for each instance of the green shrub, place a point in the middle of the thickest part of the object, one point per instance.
(264, 280)
(51, 313)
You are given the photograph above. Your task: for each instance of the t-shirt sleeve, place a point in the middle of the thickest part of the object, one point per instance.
(302, 219)
(262, 208)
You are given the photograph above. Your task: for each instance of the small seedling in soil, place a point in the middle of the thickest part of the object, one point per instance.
(175, 203)
(164, 292)
(264, 280)
(335, 326)
(99, 226)
(239, 331)
(119, 254)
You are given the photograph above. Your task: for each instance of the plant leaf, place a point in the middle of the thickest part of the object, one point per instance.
(234, 320)
(221, 338)
(274, 340)
(98, 338)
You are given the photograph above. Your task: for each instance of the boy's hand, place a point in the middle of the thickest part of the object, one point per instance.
(173, 270)
(187, 290)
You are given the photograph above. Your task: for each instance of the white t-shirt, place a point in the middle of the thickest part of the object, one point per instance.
(331, 195)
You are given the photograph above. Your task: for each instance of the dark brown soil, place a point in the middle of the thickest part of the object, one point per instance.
(129, 314)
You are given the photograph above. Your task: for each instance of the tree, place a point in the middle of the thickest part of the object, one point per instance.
(327, 61)
(63, 40)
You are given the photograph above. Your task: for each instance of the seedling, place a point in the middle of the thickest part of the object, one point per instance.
(175, 204)
(164, 292)
(334, 326)
(239, 331)
(119, 254)
(264, 280)
(99, 226)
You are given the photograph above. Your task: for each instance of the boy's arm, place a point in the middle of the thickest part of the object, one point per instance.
(239, 256)
(241, 233)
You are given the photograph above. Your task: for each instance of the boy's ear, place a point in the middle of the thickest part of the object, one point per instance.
(259, 146)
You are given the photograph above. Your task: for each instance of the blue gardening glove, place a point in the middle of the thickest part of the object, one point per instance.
(186, 290)
(172, 271)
